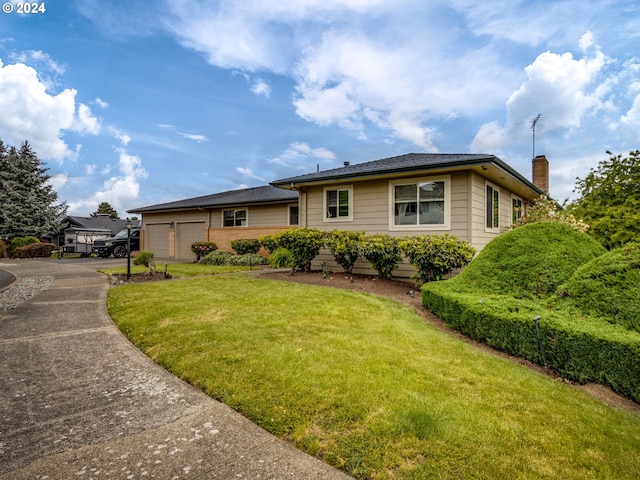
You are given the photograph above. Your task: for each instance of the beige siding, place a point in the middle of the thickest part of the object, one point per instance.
(371, 212)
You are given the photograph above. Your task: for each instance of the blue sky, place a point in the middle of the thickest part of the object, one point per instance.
(142, 102)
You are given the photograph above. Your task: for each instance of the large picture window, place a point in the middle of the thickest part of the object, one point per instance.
(234, 218)
(420, 203)
(338, 204)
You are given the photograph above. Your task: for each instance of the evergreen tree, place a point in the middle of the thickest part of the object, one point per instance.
(107, 209)
(28, 203)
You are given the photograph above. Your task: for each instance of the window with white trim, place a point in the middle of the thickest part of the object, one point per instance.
(492, 199)
(234, 218)
(338, 204)
(517, 209)
(293, 215)
(420, 203)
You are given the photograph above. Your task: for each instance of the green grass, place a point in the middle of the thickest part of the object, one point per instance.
(180, 270)
(366, 385)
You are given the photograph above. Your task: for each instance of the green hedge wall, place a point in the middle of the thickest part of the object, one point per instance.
(578, 348)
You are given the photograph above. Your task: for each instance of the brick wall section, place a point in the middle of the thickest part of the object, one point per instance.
(222, 237)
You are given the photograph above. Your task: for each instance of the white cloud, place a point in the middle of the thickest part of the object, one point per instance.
(193, 136)
(91, 169)
(563, 89)
(30, 113)
(260, 87)
(58, 181)
(85, 122)
(298, 153)
(101, 102)
(120, 190)
(247, 172)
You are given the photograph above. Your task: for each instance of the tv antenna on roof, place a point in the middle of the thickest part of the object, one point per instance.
(533, 127)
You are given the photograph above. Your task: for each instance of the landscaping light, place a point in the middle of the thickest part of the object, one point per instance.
(129, 225)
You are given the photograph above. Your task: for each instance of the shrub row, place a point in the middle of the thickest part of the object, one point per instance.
(434, 256)
(582, 350)
(221, 257)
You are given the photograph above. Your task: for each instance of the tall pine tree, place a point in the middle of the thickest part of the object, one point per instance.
(28, 203)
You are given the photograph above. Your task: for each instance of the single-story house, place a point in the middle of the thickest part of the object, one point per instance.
(472, 196)
(169, 229)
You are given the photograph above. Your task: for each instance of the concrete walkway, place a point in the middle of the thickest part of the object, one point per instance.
(77, 400)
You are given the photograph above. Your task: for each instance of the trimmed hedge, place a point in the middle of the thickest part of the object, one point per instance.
(608, 286)
(243, 246)
(34, 250)
(581, 349)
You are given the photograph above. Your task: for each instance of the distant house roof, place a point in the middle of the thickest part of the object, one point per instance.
(409, 163)
(246, 196)
(99, 222)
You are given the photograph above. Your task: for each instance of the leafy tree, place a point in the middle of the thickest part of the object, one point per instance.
(28, 202)
(105, 209)
(610, 200)
(545, 209)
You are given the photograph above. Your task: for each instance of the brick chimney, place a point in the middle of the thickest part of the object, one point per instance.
(540, 173)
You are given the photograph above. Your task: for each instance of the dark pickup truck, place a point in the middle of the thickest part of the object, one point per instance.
(117, 246)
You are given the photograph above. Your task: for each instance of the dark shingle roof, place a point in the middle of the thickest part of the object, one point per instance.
(99, 222)
(246, 196)
(411, 162)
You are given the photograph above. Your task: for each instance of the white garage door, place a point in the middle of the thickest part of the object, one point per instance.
(157, 239)
(186, 234)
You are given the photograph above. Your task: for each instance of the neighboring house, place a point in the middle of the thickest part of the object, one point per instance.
(475, 197)
(102, 225)
(169, 229)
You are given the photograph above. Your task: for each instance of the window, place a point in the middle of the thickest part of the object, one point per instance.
(493, 207)
(234, 218)
(293, 215)
(517, 209)
(337, 204)
(420, 203)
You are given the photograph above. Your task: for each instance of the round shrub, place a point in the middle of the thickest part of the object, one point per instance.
(34, 250)
(281, 258)
(608, 286)
(435, 256)
(529, 261)
(303, 243)
(144, 257)
(243, 246)
(345, 247)
(383, 252)
(217, 257)
(18, 242)
(202, 248)
(268, 242)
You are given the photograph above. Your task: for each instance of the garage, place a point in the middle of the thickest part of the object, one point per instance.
(186, 234)
(156, 239)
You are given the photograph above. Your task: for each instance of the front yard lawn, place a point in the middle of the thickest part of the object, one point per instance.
(366, 385)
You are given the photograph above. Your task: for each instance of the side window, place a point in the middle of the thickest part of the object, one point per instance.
(338, 204)
(293, 215)
(492, 207)
(517, 209)
(234, 218)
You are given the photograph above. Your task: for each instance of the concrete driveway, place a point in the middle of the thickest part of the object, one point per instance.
(77, 400)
